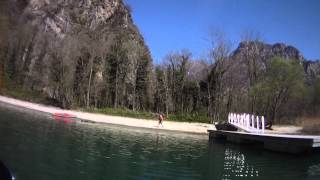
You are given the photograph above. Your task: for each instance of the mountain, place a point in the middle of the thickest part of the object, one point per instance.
(312, 69)
(78, 52)
(262, 52)
(266, 51)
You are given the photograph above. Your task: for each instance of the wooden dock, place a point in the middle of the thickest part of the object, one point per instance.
(294, 144)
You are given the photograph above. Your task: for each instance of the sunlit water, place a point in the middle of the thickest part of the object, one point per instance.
(35, 146)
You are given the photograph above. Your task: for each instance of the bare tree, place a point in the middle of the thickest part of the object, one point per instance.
(252, 59)
(134, 52)
(177, 70)
(218, 57)
(96, 46)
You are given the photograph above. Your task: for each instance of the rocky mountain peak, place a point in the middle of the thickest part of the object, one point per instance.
(266, 51)
(263, 52)
(62, 16)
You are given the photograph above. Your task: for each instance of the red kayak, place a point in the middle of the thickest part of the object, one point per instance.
(64, 115)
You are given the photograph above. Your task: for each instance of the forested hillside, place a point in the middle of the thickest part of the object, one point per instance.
(89, 54)
(79, 53)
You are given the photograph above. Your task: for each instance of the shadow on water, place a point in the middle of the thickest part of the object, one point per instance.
(35, 146)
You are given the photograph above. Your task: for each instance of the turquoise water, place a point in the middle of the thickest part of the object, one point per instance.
(35, 146)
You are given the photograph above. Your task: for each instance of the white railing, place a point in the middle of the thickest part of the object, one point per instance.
(247, 122)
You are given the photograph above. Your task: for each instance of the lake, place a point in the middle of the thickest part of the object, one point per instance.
(35, 146)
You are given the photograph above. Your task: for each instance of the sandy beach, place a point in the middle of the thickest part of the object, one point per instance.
(185, 127)
(195, 128)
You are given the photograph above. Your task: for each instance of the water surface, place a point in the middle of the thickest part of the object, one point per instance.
(35, 146)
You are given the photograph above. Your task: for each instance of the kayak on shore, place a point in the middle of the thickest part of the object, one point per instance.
(64, 115)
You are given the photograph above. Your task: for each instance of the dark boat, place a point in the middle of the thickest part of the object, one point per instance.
(225, 126)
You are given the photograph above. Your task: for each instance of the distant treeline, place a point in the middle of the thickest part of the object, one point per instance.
(276, 85)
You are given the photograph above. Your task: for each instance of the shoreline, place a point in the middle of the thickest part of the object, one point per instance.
(181, 127)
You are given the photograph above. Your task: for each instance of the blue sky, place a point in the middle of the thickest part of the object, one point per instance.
(171, 25)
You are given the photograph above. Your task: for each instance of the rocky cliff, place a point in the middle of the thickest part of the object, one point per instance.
(63, 17)
(78, 52)
(312, 69)
(262, 52)
(266, 51)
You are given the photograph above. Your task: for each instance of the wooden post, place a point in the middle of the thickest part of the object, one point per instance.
(232, 117)
(247, 121)
(237, 118)
(262, 124)
(258, 125)
(252, 121)
(244, 120)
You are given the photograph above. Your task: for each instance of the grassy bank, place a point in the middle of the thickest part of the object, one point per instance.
(122, 112)
(192, 117)
(13, 90)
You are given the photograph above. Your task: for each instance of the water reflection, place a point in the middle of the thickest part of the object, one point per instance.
(58, 150)
(314, 170)
(235, 165)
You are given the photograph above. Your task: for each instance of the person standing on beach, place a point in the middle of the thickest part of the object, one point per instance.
(161, 118)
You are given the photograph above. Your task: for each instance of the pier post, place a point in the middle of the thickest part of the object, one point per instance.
(262, 124)
(242, 120)
(238, 119)
(233, 118)
(258, 125)
(252, 121)
(247, 122)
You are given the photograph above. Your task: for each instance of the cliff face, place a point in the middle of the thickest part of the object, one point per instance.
(263, 52)
(312, 69)
(62, 17)
(73, 50)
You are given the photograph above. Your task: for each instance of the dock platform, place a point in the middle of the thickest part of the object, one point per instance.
(293, 144)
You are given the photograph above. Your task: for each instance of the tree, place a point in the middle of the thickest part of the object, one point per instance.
(4, 23)
(115, 70)
(161, 90)
(283, 80)
(252, 59)
(93, 46)
(136, 78)
(317, 91)
(218, 56)
(60, 73)
(190, 96)
(177, 67)
(314, 95)
(143, 82)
